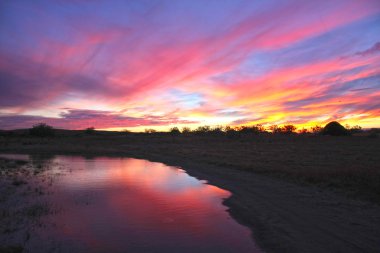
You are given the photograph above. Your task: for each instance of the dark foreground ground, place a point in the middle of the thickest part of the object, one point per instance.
(296, 193)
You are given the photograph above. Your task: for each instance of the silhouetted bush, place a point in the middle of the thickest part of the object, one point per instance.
(316, 129)
(174, 131)
(42, 130)
(217, 130)
(186, 130)
(230, 131)
(355, 129)
(256, 129)
(288, 129)
(335, 129)
(150, 131)
(275, 129)
(90, 130)
(202, 129)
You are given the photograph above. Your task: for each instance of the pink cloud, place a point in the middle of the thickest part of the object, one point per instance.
(81, 119)
(121, 66)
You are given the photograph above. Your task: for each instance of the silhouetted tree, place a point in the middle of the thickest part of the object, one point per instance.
(186, 130)
(355, 129)
(217, 130)
(42, 130)
(288, 129)
(256, 129)
(275, 129)
(150, 130)
(260, 128)
(174, 131)
(316, 129)
(335, 129)
(202, 129)
(230, 131)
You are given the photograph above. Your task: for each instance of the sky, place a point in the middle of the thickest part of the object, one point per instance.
(157, 64)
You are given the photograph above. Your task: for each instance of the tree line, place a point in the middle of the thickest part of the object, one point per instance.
(332, 128)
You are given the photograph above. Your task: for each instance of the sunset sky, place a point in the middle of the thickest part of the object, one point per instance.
(158, 64)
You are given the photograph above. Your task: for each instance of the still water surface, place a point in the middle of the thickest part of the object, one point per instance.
(133, 205)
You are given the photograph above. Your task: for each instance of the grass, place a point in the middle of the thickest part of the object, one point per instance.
(349, 164)
(20, 207)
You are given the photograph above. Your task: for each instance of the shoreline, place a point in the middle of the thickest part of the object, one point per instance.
(266, 177)
(283, 217)
(266, 214)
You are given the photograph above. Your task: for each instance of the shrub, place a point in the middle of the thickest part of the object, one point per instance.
(288, 129)
(217, 130)
(89, 130)
(335, 129)
(150, 131)
(186, 130)
(174, 131)
(316, 129)
(355, 129)
(275, 129)
(229, 129)
(260, 128)
(256, 129)
(41, 130)
(202, 129)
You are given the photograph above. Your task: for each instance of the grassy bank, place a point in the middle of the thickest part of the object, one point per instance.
(347, 164)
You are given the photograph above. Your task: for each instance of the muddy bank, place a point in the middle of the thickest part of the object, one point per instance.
(287, 217)
(284, 217)
(24, 188)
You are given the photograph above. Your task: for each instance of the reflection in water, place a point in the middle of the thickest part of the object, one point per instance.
(130, 205)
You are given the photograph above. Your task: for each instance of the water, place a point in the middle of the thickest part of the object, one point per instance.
(132, 205)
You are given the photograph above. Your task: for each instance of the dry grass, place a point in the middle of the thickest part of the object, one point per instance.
(348, 163)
